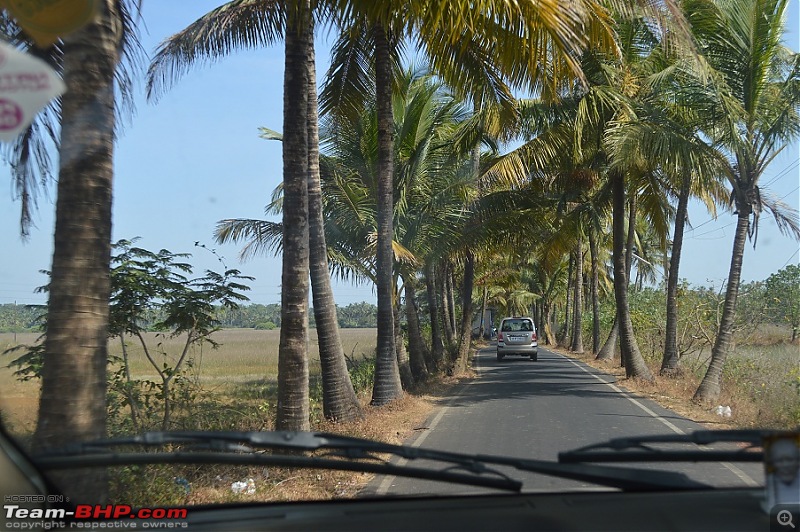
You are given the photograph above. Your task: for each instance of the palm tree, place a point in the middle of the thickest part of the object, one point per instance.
(72, 404)
(240, 24)
(339, 401)
(577, 333)
(751, 114)
(387, 387)
(584, 123)
(293, 393)
(532, 44)
(427, 186)
(667, 136)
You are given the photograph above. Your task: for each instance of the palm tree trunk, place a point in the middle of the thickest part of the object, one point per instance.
(630, 235)
(577, 329)
(293, 394)
(418, 354)
(607, 351)
(564, 332)
(451, 302)
(72, 404)
(437, 345)
(387, 386)
(595, 293)
(669, 364)
(635, 365)
(610, 345)
(631, 241)
(403, 361)
(465, 336)
(548, 327)
(339, 401)
(710, 386)
(482, 330)
(446, 280)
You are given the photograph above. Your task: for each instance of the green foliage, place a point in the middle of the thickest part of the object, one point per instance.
(699, 312)
(29, 364)
(649, 317)
(153, 290)
(135, 405)
(783, 297)
(362, 315)
(362, 373)
(265, 326)
(20, 318)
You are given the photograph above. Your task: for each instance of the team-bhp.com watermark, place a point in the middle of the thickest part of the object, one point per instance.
(87, 516)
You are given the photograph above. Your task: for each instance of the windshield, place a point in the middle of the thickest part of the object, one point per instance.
(296, 216)
(516, 325)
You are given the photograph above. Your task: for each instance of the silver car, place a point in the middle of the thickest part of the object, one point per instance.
(517, 336)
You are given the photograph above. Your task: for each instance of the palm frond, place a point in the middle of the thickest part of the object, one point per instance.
(233, 26)
(786, 217)
(259, 236)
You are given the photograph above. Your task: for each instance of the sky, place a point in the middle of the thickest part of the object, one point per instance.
(194, 157)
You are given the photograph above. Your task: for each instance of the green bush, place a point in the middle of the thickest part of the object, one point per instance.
(362, 373)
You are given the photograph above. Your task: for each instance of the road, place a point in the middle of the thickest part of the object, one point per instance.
(534, 410)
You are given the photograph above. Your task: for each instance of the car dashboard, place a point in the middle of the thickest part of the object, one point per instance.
(727, 510)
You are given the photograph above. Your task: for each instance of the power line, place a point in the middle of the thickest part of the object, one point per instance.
(790, 258)
(782, 173)
(792, 192)
(786, 170)
(713, 230)
(702, 224)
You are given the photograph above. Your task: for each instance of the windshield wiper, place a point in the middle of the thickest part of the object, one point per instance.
(642, 449)
(246, 448)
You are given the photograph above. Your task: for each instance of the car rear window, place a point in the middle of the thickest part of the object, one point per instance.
(517, 325)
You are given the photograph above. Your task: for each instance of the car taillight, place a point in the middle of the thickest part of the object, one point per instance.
(499, 337)
(533, 337)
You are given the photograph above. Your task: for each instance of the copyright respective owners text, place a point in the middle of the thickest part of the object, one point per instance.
(26, 512)
(784, 517)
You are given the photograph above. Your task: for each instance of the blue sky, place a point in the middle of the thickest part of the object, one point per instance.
(195, 158)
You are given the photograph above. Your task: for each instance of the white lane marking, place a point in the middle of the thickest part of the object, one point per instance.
(744, 477)
(386, 483)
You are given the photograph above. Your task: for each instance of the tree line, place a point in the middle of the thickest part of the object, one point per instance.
(27, 318)
(396, 175)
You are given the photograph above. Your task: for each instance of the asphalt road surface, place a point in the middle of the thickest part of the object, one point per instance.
(527, 409)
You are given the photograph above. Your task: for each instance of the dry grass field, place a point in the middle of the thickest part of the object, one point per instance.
(243, 356)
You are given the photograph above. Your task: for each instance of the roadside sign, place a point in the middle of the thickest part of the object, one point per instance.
(27, 85)
(47, 21)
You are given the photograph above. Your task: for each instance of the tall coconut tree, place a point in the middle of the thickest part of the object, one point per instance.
(667, 136)
(427, 186)
(293, 393)
(752, 102)
(247, 24)
(72, 404)
(535, 45)
(339, 401)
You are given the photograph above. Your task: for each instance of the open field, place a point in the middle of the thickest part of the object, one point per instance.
(243, 356)
(761, 382)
